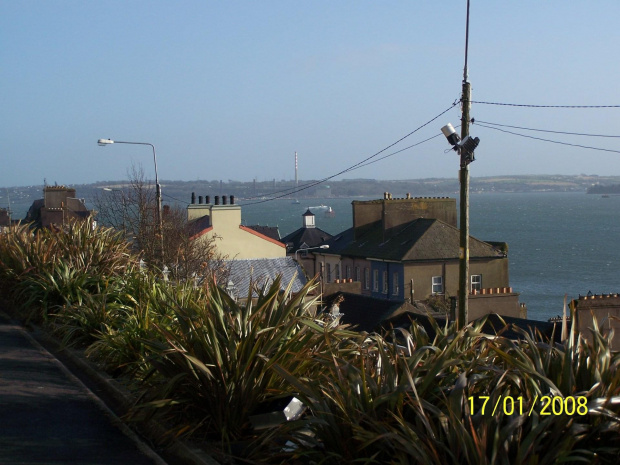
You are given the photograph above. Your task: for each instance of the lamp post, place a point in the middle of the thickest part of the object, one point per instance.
(103, 143)
(324, 246)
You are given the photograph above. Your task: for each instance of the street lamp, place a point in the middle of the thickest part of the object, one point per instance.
(324, 246)
(103, 143)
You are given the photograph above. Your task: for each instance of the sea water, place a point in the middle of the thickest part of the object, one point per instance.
(559, 243)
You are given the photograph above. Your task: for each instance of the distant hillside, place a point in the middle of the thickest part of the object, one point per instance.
(180, 191)
(604, 189)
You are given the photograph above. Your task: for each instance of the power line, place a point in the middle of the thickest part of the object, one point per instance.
(544, 106)
(398, 151)
(359, 164)
(549, 140)
(173, 198)
(544, 130)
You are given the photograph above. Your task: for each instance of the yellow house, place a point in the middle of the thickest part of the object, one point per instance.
(234, 240)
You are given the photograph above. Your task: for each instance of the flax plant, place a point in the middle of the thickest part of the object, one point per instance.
(46, 269)
(213, 366)
(410, 402)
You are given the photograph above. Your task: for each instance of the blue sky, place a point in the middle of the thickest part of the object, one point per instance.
(230, 90)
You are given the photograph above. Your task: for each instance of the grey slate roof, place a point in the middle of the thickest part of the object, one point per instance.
(420, 239)
(261, 270)
(312, 237)
(272, 232)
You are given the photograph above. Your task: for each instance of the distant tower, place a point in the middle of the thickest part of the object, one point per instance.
(296, 179)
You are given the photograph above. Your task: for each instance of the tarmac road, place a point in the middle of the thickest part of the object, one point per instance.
(47, 416)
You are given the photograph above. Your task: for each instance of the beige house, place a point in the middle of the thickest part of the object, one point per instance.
(223, 221)
(408, 249)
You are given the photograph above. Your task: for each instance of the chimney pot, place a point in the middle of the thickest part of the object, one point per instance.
(193, 198)
(217, 200)
(207, 199)
(200, 200)
(232, 199)
(224, 200)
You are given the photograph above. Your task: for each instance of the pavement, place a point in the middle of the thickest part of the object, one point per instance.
(49, 416)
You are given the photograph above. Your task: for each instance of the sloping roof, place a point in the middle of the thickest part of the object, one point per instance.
(199, 226)
(365, 313)
(264, 270)
(312, 237)
(270, 231)
(420, 239)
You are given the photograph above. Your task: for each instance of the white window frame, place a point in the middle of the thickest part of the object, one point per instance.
(366, 278)
(375, 280)
(475, 282)
(358, 274)
(329, 272)
(348, 272)
(337, 271)
(437, 283)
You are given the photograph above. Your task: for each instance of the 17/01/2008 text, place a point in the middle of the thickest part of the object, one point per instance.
(549, 405)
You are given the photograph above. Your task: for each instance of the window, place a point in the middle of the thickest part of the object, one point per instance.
(395, 284)
(385, 282)
(375, 280)
(358, 274)
(348, 276)
(437, 284)
(337, 271)
(329, 272)
(366, 278)
(476, 282)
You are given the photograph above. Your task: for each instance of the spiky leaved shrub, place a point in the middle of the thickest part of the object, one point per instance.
(411, 404)
(46, 269)
(140, 307)
(213, 366)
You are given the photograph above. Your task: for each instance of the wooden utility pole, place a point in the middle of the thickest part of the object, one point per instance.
(463, 310)
(464, 212)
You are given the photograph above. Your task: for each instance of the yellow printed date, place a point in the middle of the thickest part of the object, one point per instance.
(548, 405)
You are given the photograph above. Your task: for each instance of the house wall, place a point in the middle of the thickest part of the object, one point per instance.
(233, 240)
(396, 212)
(606, 310)
(400, 211)
(504, 304)
(195, 211)
(56, 196)
(365, 214)
(390, 268)
(494, 275)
